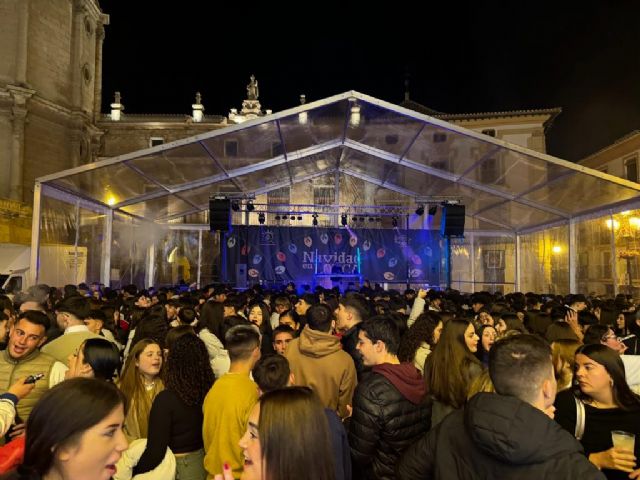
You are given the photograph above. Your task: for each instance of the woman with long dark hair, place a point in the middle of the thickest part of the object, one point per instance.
(259, 315)
(418, 342)
(287, 438)
(176, 414)
(210, 331)
(603, 399)
(487, 335)
(96, 358)
(74, 433)
(451, 367)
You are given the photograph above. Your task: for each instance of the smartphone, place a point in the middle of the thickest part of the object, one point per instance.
(34, 378)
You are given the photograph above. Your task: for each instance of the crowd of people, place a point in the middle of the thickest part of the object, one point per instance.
(218, 383)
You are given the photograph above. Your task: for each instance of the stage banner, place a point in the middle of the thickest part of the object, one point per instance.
(283, 254)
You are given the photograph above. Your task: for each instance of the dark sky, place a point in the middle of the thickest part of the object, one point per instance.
(583, 57)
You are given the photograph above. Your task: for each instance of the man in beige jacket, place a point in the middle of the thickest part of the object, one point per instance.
(318, 361)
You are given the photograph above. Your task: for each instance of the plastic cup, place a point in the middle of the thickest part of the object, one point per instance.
(623, 440)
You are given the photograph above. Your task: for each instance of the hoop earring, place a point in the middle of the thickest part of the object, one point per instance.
(611, 382)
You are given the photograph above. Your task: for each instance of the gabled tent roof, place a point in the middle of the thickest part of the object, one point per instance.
(503, 186)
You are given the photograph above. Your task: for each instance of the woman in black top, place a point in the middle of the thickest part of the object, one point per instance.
(176, 417)
(609, 404)
(259, 315)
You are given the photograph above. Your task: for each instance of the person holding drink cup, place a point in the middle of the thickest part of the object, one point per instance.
(602, 412)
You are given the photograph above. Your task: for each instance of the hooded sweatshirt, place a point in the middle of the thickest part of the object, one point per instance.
(318, 362)
(406, 378)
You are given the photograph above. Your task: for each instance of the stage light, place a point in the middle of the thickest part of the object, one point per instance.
(277, 218)
(354, 219)
(432, 210)
(235, 206)
(250, 207)
(343, 220)
(394, 222)
(361, 219)
(261, 218)
(371, 219)
(315, 219)
(420, 210)
(299, 217)
(293, 217)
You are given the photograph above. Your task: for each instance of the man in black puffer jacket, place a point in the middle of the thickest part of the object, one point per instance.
(390, 410)
(505, 435)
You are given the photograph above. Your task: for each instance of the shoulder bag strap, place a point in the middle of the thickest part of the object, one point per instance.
(580, 419)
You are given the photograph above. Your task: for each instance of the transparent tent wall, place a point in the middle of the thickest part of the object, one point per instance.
(626, 233)
(495, 260)
(71, 242)
(483, 263)
(544, 261)
(131, 240)
(461, 266)
(595, 270)
(210, 259)
(607, 254)
(176, 257)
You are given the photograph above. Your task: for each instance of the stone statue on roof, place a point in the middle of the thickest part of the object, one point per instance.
(252, 89)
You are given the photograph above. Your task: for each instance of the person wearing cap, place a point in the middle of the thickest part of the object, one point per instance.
(70, 316)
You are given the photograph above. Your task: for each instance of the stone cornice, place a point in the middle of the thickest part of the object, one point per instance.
(88, 6)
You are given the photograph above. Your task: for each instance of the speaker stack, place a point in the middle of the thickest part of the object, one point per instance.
(219, 214)
(452, 223)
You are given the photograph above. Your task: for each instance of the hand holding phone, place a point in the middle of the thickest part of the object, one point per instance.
(33, 378)
(21, 388)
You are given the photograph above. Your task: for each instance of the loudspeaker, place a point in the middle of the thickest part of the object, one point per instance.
(452, 223)
(241, 275)
(219, 214)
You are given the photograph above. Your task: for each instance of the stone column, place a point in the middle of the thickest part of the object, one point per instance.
(97, 94)
(19, 119)
(23, 43)
(76, 140)
(79, 10)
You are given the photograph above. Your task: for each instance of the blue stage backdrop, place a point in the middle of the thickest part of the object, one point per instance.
(283, 254)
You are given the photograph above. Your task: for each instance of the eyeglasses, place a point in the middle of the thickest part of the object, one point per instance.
(611, 336)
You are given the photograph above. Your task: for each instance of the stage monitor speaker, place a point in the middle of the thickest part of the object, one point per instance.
(219, 214)
(241, 275)
(452, 223)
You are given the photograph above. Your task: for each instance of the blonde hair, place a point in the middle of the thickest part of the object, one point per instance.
(563, 353)
(133, 388)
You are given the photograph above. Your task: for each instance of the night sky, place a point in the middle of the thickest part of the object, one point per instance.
(584, 58)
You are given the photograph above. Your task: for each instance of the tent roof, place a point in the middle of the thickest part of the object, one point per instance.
(502, 185)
